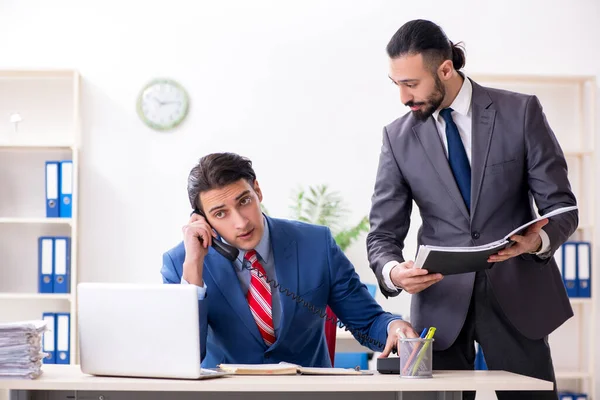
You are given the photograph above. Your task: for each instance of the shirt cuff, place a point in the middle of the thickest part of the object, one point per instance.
(387, 268)
(545, 243)
(201, 289)
(391, 322)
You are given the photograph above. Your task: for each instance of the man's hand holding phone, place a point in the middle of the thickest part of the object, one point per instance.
(197, 236)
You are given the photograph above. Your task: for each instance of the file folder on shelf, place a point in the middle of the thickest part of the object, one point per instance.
(570, 268)
(66, 189)
(46, 264)
(62, 261)
(63, 336)
(52, 189)
(560, 260)
(566, 396)
(480, 363)
(584, 269)
(572, 396)
(49, 338)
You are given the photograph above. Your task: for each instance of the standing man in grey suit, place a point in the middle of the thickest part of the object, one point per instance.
(473, 159)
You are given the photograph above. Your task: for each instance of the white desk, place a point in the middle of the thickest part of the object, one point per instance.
(59, 382)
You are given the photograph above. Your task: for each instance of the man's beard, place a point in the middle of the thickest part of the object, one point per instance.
(432, 103)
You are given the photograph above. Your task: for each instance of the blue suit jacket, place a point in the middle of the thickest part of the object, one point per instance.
(315, 272)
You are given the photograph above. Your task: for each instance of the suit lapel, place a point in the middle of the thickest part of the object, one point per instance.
(481, 136)
(428, 135)
(285, 254)
(225, 278)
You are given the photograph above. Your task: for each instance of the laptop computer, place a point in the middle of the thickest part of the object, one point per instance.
(140, 330)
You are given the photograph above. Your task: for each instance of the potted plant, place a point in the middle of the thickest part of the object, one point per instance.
(319, 205)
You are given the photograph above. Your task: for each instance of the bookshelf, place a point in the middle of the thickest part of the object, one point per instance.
(39, 122)
(569, 104)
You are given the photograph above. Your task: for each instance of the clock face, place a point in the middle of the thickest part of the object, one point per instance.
(162, 104)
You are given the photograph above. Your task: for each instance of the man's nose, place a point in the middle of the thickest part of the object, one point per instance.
(240, 221)
(405, 95)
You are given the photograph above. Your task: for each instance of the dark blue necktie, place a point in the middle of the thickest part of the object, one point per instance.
(457, 157)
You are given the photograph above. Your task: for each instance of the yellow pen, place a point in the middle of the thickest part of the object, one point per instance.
(429, 335)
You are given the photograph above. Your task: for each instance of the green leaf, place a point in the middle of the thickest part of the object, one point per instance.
(346, 237)
(319, 205)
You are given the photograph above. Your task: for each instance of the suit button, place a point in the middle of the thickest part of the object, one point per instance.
(475, 235)
(267, 356)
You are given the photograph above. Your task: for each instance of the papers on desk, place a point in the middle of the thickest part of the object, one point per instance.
(284, 368)
(259, 369)
(21, 349)
(458, 260)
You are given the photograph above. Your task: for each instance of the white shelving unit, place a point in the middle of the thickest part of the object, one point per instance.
(569, 104)
(50, 129)
(37, 221)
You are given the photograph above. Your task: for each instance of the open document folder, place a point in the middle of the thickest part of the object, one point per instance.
(458, 260)
(284, 368)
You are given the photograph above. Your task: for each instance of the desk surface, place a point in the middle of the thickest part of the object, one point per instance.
(70, 377)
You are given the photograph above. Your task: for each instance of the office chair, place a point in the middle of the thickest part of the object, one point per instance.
(330, 333)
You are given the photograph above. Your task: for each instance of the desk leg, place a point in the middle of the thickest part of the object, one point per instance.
(429, 396)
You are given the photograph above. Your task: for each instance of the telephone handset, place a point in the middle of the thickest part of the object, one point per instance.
(227, 251)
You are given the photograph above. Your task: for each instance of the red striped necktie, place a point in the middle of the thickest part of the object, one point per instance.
(259, 299)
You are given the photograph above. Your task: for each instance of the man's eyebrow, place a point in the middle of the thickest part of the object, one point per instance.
(403, 80)
(216, 208)
(239, 196)
(409, 81)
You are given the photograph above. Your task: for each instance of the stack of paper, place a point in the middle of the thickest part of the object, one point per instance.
(21, 349)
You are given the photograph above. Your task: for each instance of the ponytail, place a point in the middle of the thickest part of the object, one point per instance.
(458, 55)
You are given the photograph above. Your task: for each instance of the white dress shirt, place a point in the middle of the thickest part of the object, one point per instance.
(461, 115)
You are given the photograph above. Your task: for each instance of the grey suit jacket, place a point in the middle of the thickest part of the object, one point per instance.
(516, 160)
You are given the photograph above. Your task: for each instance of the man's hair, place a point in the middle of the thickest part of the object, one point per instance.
(428, 39)
(215, 171)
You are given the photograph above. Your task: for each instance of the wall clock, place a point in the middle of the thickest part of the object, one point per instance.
(162, 104)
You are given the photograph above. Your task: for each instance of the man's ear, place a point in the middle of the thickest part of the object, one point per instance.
(445, 70)
(257, 190)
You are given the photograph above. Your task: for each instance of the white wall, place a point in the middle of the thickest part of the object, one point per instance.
(300, 87)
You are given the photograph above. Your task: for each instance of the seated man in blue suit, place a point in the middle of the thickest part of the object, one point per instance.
(243, 317)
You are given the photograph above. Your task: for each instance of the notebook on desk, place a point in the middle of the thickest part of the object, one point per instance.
(136, 330)
(284, 368)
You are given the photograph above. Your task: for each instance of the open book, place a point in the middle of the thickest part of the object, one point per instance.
(458, 260)
(284, 368)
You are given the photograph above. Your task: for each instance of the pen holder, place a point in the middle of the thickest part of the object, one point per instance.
(416, 356)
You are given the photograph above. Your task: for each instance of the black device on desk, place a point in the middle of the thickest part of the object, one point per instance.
(388, 365)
